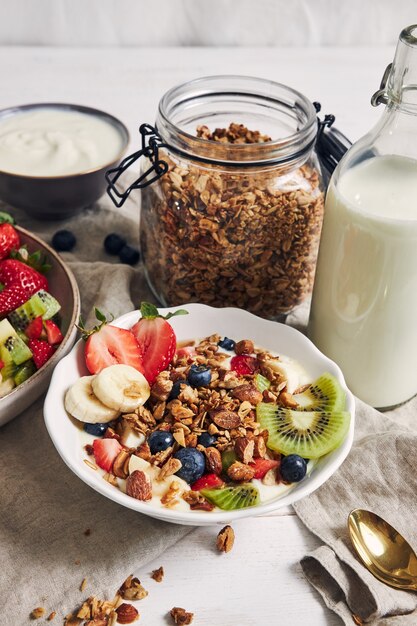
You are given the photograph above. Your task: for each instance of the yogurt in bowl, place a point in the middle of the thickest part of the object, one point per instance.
(210, 487)
(51, 141)
(53, 156)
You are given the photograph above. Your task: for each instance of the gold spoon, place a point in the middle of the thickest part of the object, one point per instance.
(383, 551)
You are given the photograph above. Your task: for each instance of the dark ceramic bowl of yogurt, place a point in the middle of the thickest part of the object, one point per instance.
(53, 157)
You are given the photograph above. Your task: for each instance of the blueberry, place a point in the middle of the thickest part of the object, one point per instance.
(176, 389)
(97, 430)
(113, 243)
(293, 468)
(199, 376)
(129, 255)
(63, 240)
(227, 344)
(193, 464)
(160, 440)
(206, 440)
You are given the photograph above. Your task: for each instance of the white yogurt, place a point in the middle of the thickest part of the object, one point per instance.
(56, 142)
(364, 308)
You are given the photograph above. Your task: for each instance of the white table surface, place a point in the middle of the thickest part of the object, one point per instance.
(261, 578)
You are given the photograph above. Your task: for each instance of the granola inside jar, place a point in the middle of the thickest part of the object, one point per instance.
(236, 220)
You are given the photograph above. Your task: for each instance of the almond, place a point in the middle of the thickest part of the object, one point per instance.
(213, 460)
(225, 539)
(248, 393)
(139, 486)
(127, 614)
(240, 472)
(225, 419)
(244, 448)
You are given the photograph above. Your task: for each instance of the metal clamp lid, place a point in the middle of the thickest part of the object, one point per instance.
(330, 146)
(381, 96)
(151, 142)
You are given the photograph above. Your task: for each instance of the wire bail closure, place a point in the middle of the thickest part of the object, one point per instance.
(381, 96)
(151, 142)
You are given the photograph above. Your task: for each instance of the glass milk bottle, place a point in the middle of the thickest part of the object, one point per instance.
(364, 306)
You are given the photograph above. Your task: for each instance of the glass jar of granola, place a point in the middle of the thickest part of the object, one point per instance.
(234, 213)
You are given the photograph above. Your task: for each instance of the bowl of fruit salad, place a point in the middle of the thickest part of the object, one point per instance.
(198, 415)
(39, 307)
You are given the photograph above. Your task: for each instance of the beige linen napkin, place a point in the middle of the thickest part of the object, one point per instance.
(380, 474)
(45, 509)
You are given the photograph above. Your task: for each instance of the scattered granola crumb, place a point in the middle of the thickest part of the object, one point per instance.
(37, 613)
(180, 616)
(77, 562)
(83, 584)
(158, 574)
(87, 532)
(225, 539)
(132, 589)
(127, 614)
(51, 616)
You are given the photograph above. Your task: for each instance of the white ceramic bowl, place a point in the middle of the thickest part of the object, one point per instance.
(201, 321)
(63, 287)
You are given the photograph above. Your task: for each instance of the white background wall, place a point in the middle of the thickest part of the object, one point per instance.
(204, 22)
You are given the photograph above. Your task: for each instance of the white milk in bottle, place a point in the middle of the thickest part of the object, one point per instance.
(364, 309)
(364, 306)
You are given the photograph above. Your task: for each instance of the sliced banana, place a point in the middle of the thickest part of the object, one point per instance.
(81, 403)
(121, 387)
(288, 371)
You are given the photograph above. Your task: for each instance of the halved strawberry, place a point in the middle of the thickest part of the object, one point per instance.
(262, 466)
(9, 239)
(156, 339)
(53, 334)
(34, 329)
(244, 365)
(105, 452)
(207, 481)
(109, 345)
(41, 351)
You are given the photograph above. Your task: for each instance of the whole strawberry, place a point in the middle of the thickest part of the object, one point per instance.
(20, 282)
(9, 239)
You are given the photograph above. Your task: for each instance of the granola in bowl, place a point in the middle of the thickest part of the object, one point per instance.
(217, 431)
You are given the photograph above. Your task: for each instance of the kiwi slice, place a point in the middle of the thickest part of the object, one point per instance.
(6, 330)
(24, 372)
(310, 434)
(325, 394)
(51, 305)
(24, 314)
(16, 349)
(230, 498)
(262, 383)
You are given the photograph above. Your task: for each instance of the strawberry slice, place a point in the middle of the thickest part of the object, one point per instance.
(14, 272)
(262, 466)
(105, 451)
(244, 365)
(9, 240)
(34, 329)
(41, 351)
(207, 481)
(20, 282)
(53, 334)
(156, 339)
(109, 345)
